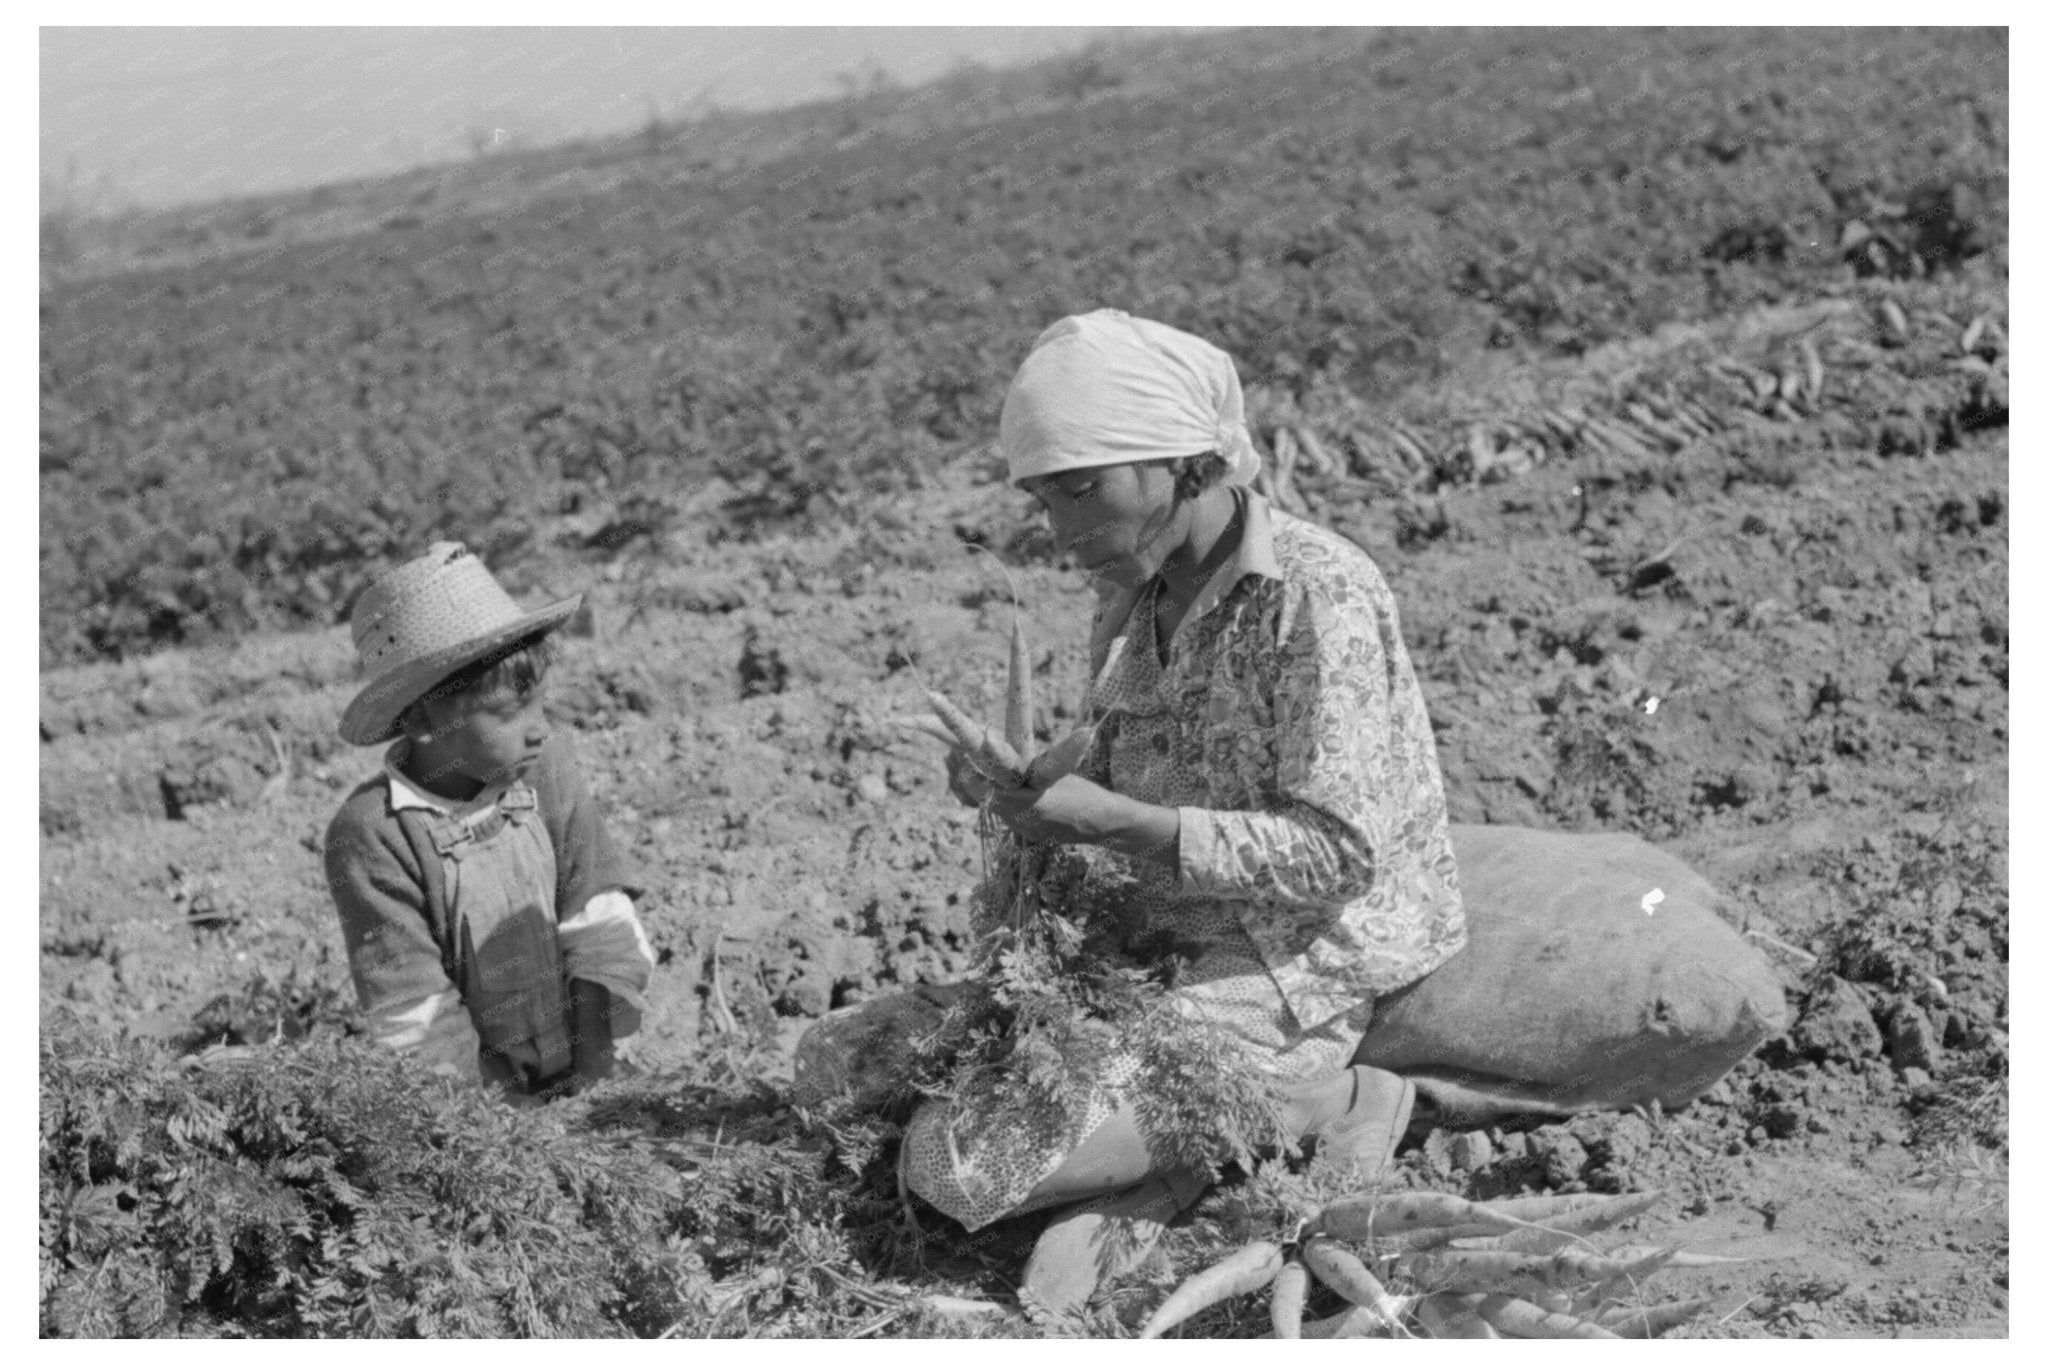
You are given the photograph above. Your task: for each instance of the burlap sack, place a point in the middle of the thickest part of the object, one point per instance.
(862, 1050)
(866, 1051)
(1597, 976)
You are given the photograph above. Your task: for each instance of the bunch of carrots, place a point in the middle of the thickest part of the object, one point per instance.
(1024, 887)
(1512, 1267)
(1007, 757)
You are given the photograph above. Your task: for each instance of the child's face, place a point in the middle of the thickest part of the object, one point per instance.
(479, 738)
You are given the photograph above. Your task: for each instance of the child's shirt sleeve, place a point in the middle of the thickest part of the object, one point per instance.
(587, 861)
(604, 944)
(601, 936)
(408, 1001)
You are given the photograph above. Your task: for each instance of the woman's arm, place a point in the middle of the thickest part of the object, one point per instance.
(1074, 810)
(1335, 784)
(1338, 790)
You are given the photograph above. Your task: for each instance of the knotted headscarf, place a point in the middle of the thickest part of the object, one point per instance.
(1107, 388)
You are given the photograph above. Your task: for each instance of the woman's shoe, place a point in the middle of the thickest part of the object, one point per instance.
(1360, 1142)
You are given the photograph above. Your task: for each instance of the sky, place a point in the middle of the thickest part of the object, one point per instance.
(151, 117)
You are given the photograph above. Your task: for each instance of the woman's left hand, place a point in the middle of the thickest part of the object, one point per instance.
(1074, 810)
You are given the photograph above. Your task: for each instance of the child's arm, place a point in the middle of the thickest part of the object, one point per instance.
(410, 1004)
(608, 962)
(587, 861)
(605, 952)
(590, 1039)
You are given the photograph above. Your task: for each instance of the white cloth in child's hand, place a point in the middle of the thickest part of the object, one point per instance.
(604, 944)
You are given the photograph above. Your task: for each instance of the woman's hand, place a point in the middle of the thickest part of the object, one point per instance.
(965, 781)
(1074, 810)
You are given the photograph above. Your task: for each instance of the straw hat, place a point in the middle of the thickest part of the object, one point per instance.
(426, 619)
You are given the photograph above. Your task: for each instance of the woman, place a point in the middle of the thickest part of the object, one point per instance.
(1263, 760)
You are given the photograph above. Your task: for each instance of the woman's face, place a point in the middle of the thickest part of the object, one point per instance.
(1120, 521)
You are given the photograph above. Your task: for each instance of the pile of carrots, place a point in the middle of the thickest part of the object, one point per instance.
(1513, 1267)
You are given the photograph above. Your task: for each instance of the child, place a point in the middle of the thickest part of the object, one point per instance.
(485, 908)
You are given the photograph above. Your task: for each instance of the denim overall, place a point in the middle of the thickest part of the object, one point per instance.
(498, 874)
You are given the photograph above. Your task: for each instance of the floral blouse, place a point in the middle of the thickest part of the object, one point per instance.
(1287, 727)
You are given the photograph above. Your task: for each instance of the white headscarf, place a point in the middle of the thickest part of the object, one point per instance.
(1107, 388)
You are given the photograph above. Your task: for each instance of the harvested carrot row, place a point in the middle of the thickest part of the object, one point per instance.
(1654, 1321)
(1346, 1274)
(1290, 1297)
(1518, 1318)
(1363, 1216)
(1242, 1272)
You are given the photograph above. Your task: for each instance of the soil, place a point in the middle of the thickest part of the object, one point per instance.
(1790, 668)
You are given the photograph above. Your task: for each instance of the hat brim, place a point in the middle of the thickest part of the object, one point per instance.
(372, 717)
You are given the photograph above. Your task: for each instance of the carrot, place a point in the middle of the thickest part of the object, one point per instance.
(1565, 1229)
(1290, 1296)
(1361, 1216)
(1617, 1271)
(1683, 1259)
(1972, 333)
(1428, 1239)
(1654, 1321)
(1061, 757)
(1017, 714)
(1521, 1319)
(1242, 1272)
(1352, 1322)
(1537, 1207)
(1346, 1274)
(1509, 1272)
(984, 749)
(1595, 1217)
(930, 726)
(1482, 1272)
(1447, 1316)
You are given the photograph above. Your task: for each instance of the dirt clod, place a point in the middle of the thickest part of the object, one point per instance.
(1836, 1024)
(1915, 1042)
